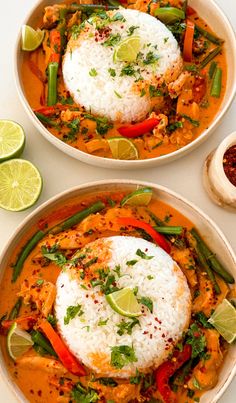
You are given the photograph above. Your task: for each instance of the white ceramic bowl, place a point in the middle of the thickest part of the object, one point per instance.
(206, 226)
(215, 17)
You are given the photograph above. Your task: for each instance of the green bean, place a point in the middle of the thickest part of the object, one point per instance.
(41, 341)
(206, 267)
(78, 217)
(44, 119)
(25, 253)
(212, 259)
(185, 7)
(212, 69)
(114, 3)
(52, 83)
(212, 38)
(173, 238)
(91, 8)
(15, 310)
(217, 83)
(210, 57)
(169, 230)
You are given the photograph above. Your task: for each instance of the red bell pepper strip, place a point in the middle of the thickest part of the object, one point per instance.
(133, 222)
(190, 11)
(166, 370)
(67, 359)
(136, 130)
(51, 110)
(188, 41)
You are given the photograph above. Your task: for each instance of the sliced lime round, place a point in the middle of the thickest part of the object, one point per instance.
(124, 302)
(127, 50)
(20, 184)
(31, 39)
(18, 341)
(224, 320)
(169, 15)
(140, 197)
(122, 148)
(12, 140)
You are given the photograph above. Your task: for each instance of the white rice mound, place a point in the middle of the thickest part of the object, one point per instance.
(158, 278)
(99, 94)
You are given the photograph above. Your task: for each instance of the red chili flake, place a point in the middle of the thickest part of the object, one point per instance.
(39, 393)
(150, 336)
(145, 332)
(163, 335)
(229, 164)
(96, 301)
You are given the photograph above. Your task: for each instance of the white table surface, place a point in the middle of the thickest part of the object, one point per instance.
(60, 171)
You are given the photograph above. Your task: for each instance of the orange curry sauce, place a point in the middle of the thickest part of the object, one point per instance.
(148, 147)
(42, 383)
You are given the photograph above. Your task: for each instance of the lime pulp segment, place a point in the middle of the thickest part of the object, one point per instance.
(12, 140)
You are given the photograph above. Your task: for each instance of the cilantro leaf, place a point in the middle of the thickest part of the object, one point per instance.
(81, 395)
(143, 255)
(127, 327)
(147, 302)
(71, 312)
(197, 340)
(122, 355)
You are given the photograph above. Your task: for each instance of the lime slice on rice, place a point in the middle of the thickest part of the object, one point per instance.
(18, 341)
(224, 320)
(122, 148)
(124, 302)
(31, 39)
(20, 184)
(12, 140)
(127, 50)
(140, 197)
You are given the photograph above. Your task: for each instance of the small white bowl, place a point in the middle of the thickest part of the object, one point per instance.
(216, 183)
(217, 20)
(211, 233)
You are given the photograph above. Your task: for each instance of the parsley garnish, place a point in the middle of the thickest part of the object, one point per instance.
(71, 312)
(147, 302)
(143, 255)
(127, 327)
(66, 101)
(122, 355)
(93, 72)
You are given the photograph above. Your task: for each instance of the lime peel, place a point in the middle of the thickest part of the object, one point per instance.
(140, 197)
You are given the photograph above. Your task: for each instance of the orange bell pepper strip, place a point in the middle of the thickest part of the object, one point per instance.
(133, 222)
(22, 321)
(55, 45)
(188, 41)
(67, 359)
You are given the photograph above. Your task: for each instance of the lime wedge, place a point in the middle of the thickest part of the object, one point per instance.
(124, 302)
(20, 184)
(12, 140)
(140, 197)
(127, 50)
(18, 341)
(224, 320)
(31, 39)
(169, 15)
(122, 148)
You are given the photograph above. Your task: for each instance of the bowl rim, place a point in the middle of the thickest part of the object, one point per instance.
(87, 186)
(126, 164)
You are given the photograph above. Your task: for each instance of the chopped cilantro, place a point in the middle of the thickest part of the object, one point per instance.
(66, 100)
(147, 302)
(75, 31)
(131, 262)
(167, 218)
(93, 72)
(52, 320)
(142, 93)
(57, 257)
(90, 262)
(135, 380)
(151, 58)
(82, 395)
(102, 322)
(197, 340)
(112, 72)
(39, 282)
(111, 202)
(176, 125)
(202, 319)
(194, 122)
(112, 40)
(127, 71)
(135, 290)
(71, 312)
(102, 274)
(95, 282)
(117, 270)
(122, 355)
(166, 40)
(154, 92)
(149, 277)
(126, 327)
(102, 123)
(131, 29)
(118, 17)
(196, 384)
(74, 128)
(107, 382)
(117, 94)
(109, 286)
(143, 255)
(191, 67)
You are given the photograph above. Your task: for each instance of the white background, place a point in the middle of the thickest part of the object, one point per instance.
(61, 172)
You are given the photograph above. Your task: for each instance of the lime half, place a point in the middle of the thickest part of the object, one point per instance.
(18, 341)
(12, 140)
(140, 197)
(127, 50)
(20, 184)
(124, 302)
(122, 148)
(224, 320)
(31, 39)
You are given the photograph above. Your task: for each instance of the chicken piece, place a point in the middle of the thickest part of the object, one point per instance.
(175, 87)
(68, 116)
(186, 105)
(97, 144)
(35, 363)
(43, 294)
(205, 374)
(185, 261)
(206, 298)
(52, 15)
(74, 20)
(71, 239)
(160, 129)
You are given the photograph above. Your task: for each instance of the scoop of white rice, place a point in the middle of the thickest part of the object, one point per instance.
(158, 278)
(87, 66)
